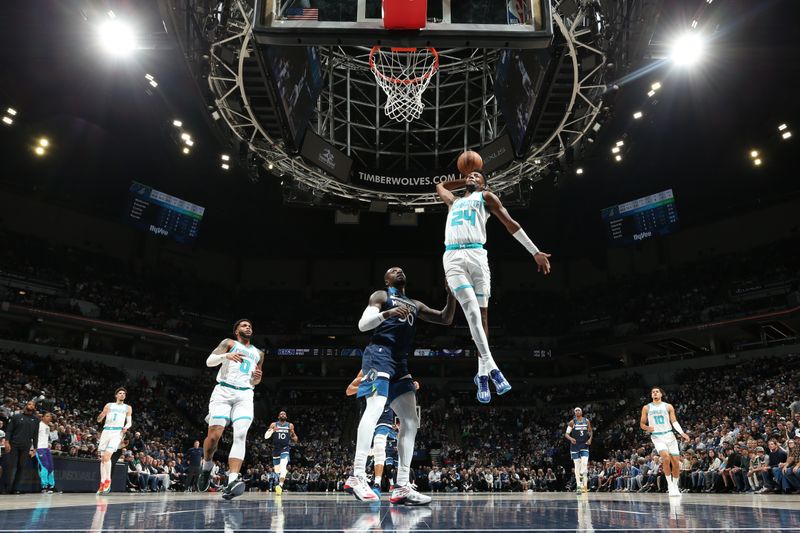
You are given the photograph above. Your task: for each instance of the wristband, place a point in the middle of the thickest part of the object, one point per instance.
(525, 241)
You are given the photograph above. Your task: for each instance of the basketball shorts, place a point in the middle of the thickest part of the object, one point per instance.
(666, 442)
(576, 452)
(386, 430)
(372, 384)
(468, 268)
(227, 405)
(381, 361)
(110, 440)
(278, 455)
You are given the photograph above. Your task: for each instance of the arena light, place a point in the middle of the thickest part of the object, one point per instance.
(579, 171)
(8, 120)
(419, 209)
(39, 150)
(656, 86)
(637, 115)
(153, 83)
(186, 150)
(270, 166)
(786, 135)
(757, 162)
(618, 158)
(780, 128)
(149, 77)
(753, 153)
(44, 142)
(687, 49)
(189, 142)
(225, 157)
(620, 143)
(116, 38)
(225, 166)
(177, 123)
(185, 137)
(651, 93)
(13, 112)
(537, 161)
(615, 150)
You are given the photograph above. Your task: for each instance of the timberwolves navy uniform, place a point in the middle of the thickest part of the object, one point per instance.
(385, 360)
(580, 432)
(280, 442)
(385, 425)
(391, 449)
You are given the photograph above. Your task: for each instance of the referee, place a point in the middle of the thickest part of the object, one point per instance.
(22, 431)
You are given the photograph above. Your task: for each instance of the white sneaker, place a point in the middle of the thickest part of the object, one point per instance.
(359, 487)
(406, 519)
(408, 495)
(673, 490)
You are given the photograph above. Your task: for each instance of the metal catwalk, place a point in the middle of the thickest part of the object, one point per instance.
(340, 512)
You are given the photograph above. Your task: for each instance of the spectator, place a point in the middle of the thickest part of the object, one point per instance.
(23, 429)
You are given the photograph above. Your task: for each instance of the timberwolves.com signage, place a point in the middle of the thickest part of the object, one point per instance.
(322, 154)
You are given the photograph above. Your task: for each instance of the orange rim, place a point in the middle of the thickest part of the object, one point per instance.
(404, 50)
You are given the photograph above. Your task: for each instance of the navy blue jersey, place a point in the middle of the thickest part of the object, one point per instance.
(281, 438)
(387, 418)
(391, 449)
(580, 431)
(395, 333)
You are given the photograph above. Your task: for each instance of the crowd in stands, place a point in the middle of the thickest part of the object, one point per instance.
(87, 283)
(744, 421)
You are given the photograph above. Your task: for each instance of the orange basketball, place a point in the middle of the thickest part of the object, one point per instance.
(469, 161)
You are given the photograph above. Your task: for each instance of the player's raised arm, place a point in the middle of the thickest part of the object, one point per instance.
(445, 188)
(674, 421)
(439, 316)
(270, 431)
(352, 389)
(373, 316)
(497, 209)
(643, 421)
(102, 414)
(220, 353)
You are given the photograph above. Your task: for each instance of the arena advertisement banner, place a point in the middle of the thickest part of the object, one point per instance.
(386, 182)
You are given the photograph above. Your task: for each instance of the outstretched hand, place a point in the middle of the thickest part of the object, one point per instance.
(542, 262)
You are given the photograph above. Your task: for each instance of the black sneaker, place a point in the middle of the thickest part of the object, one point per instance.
(233, 489)
(204, 480)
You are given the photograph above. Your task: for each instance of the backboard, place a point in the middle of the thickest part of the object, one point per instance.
(450, 23)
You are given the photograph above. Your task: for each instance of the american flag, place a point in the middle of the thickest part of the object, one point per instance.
(299, 13)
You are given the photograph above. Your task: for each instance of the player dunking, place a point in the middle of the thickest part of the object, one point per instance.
(231, 401)
(579, 434)
(387, 381)
(658, 419)
(467, 268)
(282, 434)
(118, 418)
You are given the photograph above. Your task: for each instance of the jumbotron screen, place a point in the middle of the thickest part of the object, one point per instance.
(162, 214)
(641, 219)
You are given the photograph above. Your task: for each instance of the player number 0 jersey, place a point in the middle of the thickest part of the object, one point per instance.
(466, 220)
(239, 374)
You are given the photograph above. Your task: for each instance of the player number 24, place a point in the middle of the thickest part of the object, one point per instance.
(460, 216)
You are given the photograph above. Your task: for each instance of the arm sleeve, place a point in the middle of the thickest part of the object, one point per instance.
(215, 359)
(371, 318)
(677, 427)
(525, 241)
(128, 421)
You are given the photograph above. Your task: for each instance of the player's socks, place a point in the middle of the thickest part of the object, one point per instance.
(377, 481)
(207, 465)
(233, 476)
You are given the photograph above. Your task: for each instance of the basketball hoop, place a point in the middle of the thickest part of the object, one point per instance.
(403, 74)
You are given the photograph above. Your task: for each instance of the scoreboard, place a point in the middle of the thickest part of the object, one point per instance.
(162, 214)
(641, 219)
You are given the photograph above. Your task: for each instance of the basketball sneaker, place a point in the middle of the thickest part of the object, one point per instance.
(359, 487)
(204, 480)
(500, 383)
(377, 490)
(483, 395)
(278, 490)
(233, 489)
(408, 495)
(405, 520)
(105, 487)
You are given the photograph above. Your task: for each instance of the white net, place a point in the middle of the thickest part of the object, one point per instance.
(403, 74)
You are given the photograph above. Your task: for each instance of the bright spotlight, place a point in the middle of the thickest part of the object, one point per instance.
(149, 77)
(688, 49)
(757, 162)
(786, 134)
(651, 93)
(615, 150)
(186, 150)
(177, 123)
(8, 120)
(637, 115)
(189, 142)
(225, 157)
(43, 142)
(153, 83)
(620, 143)
(225, 166)
(753, 153)
(579, 171)
(656, 86)
(13, 112)
(39, 151)
(618, 158)
(185, 136)
(780, 128)
(270, 166)
(117, 38)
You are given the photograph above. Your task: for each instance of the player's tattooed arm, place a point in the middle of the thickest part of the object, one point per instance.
(444, 190)
(222, 352)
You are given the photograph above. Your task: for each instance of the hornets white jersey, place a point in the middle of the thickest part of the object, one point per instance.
(658, 417)
(466, 221)
(115, 418)
(235, 374)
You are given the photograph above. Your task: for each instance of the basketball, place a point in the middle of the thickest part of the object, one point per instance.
(469, 161)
